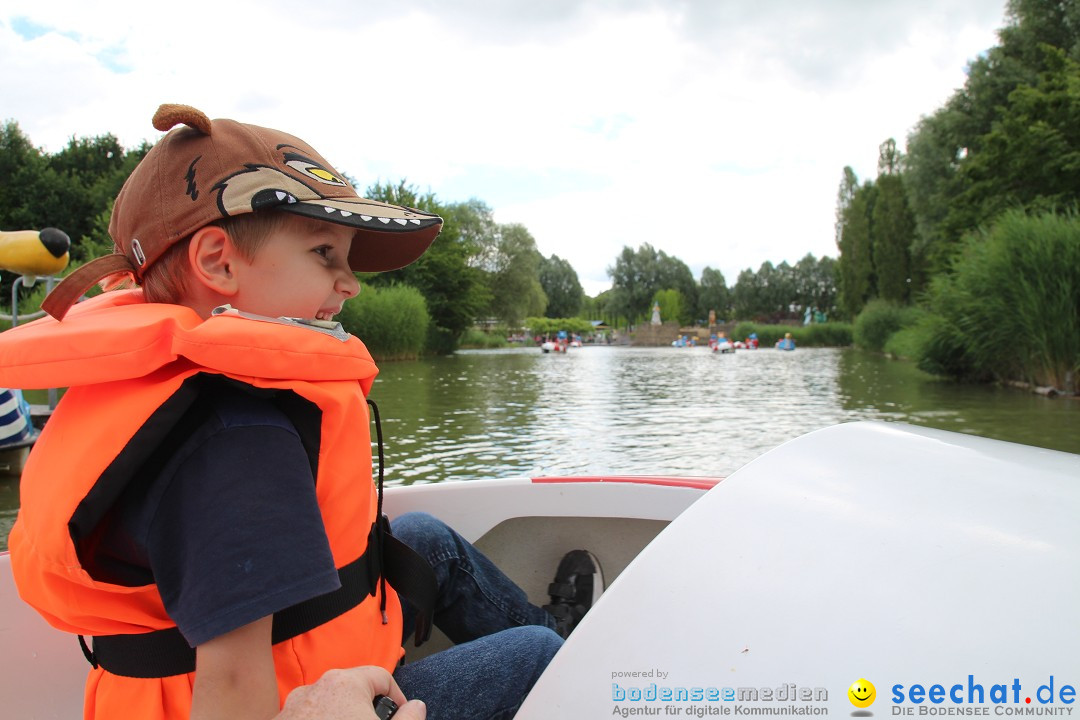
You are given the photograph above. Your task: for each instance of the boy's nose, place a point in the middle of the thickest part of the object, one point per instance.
(348, 285)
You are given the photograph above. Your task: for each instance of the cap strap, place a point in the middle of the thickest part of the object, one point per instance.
(71, 288)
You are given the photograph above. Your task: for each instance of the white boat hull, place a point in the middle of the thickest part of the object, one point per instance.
(904, 556)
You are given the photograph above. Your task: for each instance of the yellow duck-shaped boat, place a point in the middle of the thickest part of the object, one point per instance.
(34, 253)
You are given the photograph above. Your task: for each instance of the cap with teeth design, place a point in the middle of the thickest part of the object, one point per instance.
(208, 170)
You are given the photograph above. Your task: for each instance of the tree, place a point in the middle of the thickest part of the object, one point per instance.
(826, 292)
(893, 229)
(66, 190)
(1006, 139)
(815, 284)
(889, 158)
(713, 295)
(638, 276)
(634, 281)
(893, 232)
(784, 291)
(849, 185)
(22, 166)
(508, 261)
(676, 275)
(673, 306)
(1035, 23)
(446, 275)
(550, 326)
(513, 271)
(1031, 156)
(560, 283)
(71, 190)
(602, 307)
(931, 182)
(781, 291)
(746, 296)
(856, 269)
(479, 231)
(852, 240)
(89, 174)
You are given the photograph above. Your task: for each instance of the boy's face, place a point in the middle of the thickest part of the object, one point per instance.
(300, 270)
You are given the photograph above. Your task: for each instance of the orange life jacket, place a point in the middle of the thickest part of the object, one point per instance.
(122, 359)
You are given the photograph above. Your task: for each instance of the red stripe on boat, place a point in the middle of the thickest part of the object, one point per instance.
(700, 483)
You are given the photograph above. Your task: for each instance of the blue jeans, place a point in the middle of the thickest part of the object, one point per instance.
(503, 641)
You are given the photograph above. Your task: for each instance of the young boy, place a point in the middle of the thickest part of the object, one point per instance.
(202, 495)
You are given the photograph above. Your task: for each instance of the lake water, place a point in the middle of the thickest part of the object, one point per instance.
(660, 411)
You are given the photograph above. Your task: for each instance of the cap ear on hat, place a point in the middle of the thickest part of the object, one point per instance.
(169, 115)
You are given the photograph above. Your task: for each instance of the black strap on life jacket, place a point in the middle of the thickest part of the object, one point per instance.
(163, 653)
(410, 574)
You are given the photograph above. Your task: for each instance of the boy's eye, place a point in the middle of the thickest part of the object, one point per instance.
(323, 250)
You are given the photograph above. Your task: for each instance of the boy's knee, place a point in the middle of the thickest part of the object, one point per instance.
(415, 525)
(545, 642)
(550, 641)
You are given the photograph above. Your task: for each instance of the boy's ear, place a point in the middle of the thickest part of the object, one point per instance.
(211, 254)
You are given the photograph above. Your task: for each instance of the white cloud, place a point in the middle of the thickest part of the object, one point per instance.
(716, 131)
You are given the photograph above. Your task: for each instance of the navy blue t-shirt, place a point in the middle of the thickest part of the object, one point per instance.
(229, 529)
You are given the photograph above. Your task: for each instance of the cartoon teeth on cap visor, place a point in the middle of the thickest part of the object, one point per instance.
(388, 237)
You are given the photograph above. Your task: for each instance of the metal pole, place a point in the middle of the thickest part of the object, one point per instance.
(15, 300)
(53, 394)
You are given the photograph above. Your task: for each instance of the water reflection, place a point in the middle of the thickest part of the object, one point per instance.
(669, 411)
(674, 411)
(876, 387)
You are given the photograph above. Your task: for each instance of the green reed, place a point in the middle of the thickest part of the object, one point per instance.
(1010, 308)
(392, 321)
(879, 321)
(481, 340)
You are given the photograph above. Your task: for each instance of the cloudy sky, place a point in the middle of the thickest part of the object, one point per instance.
(715, 130)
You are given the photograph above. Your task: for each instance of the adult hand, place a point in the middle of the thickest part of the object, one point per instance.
(348, 695)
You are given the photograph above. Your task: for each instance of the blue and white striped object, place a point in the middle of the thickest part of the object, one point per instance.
(16, 429)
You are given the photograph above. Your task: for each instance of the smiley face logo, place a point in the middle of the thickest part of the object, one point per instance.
(862, 693)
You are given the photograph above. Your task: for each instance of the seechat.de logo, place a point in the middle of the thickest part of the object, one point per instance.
(862, 693)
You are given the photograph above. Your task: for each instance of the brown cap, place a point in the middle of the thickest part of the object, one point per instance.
(209, 170)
